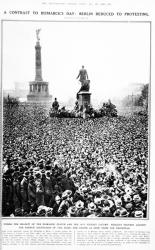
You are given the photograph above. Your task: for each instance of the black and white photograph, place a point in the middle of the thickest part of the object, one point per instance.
(76, 112)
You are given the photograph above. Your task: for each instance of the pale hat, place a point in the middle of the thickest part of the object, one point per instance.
(79, 204)
(72, 210)
(127, 198)
(57, 197)
(91, 216)
(66, 193)
(139, 214)
(98, 201)
(91, 206)
(124, 213)
(117, 213)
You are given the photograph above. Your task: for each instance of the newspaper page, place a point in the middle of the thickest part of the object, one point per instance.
(77, 162)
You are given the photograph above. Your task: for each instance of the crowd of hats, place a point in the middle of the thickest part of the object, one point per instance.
(74, 167)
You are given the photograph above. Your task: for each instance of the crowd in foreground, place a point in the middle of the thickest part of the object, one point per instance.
(74, 167)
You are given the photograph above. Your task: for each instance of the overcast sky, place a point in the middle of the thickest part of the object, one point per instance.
(116, 56)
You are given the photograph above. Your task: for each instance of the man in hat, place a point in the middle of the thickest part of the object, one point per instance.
(16, 191)
(7, 192)
(91, 208)
(106, 211)
(56, 206)
(18, 212)
(71, 212)
(129, 208)
(79, 205)
(67, 184)
(138, 214)
(48, 189)
(57, 191)
(24, 191)
(55, 105)
(137, 202)
(78, 196)
(124, 213)
(117, 213)
(39, 191)
(66, 202)
(32, 192)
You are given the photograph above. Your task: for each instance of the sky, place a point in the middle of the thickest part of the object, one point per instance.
(115, 54)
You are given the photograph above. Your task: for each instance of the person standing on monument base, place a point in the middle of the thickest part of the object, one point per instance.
(24, 191)
(55, 105)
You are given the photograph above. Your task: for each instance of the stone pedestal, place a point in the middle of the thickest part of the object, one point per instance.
(84, 98)
(39, 92)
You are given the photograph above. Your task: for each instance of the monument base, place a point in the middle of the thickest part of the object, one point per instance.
(84, 99)
(39, 92)
(37, 98)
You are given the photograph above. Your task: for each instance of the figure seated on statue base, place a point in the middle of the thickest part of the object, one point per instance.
(85, 85)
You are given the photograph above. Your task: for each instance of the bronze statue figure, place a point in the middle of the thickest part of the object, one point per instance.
(37, 34)
(83, 78)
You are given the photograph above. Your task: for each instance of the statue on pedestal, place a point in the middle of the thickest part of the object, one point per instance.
(37, 34)
(83, 78)
(83, 95)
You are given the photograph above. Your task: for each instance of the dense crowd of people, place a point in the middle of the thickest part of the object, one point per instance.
(62, 167)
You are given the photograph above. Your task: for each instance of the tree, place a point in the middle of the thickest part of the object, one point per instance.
(108, 109)
(10, 102)
(144, 92)
(143, 99)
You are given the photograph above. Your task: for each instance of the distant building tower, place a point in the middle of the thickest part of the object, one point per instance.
(38, 89)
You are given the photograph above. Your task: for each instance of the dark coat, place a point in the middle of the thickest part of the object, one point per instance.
(40, 194)
(16, 194)
(32, 192)
(48, 187)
